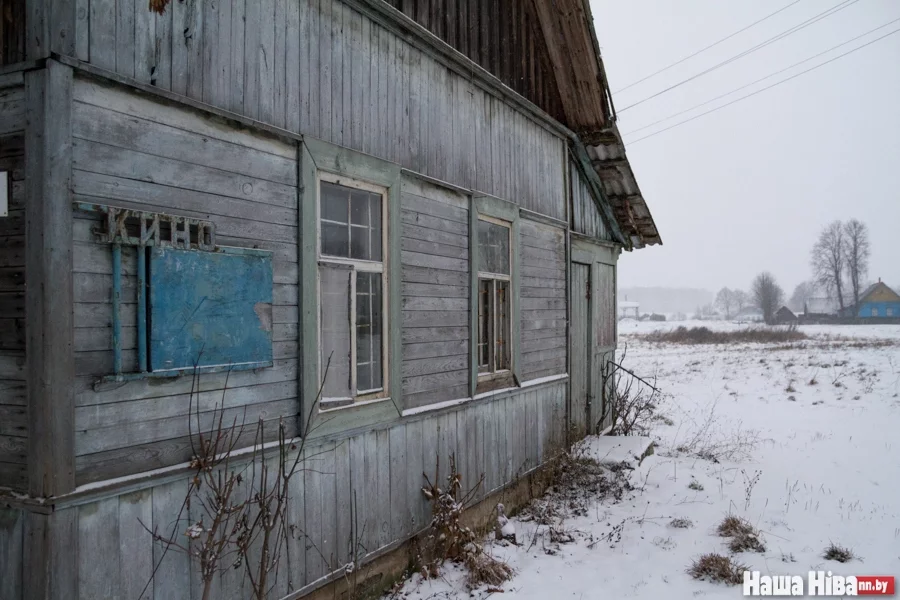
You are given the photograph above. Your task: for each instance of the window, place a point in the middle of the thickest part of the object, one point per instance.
(352, 300)
(493, 346)
(889, 312)
(874, 311)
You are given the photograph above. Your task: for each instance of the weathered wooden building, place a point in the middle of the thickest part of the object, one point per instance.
(431, 194)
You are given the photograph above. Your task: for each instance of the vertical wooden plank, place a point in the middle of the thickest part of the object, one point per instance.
(98, 534)
(429, 458)
(480, 427)
(103, 34)
(135, 558)
(303, 65)
(347, 82)
(344, 540)
(252, 56)
(125, 36)
(141, 47)
(49, 329)
(52, 570)
(371, 488)
(393, 103)
(329, 508)
(210, 51)
(194, 41)
(383, 486)
(399, 489)
(416, 503)
(325, 89)
(314, 83)
(266, 59)
(181, 32)
(280, 51)
(362, 525)
(365, 40)
(358, 92)
(292, 64)
(494, 445)
(238, 55)
(296, 516)
(161, 65)
(222, 76)
(315, 513)
(82, 30)
(335, 18)
(415, 103)
(173, 572)
(12, 523)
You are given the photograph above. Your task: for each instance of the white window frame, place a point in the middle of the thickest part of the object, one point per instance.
(496, 373)
(889, 311)
(874, 311)
(362, 266)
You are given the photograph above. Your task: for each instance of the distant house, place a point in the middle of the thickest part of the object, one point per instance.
(785, 315)
(751, 313)
(820, 306)
(629, 309)
(878, 300)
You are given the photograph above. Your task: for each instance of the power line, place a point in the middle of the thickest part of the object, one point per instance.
(822, 15)
(702, 50)
(759, 91)
(769, 76)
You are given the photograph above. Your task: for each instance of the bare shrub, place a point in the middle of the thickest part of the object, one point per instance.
(633, 400)
(710, 441)
(704, 335)
(838, 553)
(695, 485)
(717, 568)
(448, 539)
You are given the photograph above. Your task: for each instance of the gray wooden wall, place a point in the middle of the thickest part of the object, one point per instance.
(380, 470)
(435, 288)
(13, 417)
(586, 217)
(133, 152)
(321, 68)
(543, 302)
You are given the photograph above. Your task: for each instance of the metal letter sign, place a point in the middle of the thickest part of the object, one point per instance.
(206, 307)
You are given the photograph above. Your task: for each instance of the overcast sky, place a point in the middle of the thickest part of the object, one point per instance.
(749, 187)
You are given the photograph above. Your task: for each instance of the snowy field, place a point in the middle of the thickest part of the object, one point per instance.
(804, 443)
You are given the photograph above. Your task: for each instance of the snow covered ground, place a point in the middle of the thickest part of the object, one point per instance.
(813, 423)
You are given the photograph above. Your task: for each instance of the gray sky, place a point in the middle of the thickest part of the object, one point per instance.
(748, 187)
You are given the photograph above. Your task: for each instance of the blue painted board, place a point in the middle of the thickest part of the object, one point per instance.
(210, 309)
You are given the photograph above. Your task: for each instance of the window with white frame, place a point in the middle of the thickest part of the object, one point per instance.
(493, 346)
(874, 311)
(352, 290)
(889, 312)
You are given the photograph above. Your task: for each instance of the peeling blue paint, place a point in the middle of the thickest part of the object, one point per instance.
(210, 309)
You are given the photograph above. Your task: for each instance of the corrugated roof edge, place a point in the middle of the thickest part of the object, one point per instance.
(607, 153)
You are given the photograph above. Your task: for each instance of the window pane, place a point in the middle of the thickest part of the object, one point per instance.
(359, 208)
(484, 323)
(333, 200)
(359, 243)
(376, 244)
(493, 248)
(375, 207)
(335, 239)
(368, 331)
(335, 328)
(502, 351)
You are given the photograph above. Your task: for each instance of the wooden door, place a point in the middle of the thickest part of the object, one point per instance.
(581, 348)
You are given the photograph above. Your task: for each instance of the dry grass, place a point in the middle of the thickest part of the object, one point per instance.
(838, 553)
(744, 537)
(486, 570)
(681, 523)
(718, 569)
(705, 335)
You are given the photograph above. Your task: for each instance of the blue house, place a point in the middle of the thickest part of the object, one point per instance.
(878, 300)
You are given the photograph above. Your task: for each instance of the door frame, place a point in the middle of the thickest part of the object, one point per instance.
(592, 252)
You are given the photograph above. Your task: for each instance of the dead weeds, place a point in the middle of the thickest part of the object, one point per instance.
(718, 569)
(744, 536)
(705, 335)
(839, 553)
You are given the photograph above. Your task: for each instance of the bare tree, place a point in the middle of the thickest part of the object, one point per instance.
(767, 295)
(856, 249)
(828, 260)
(742, 299)
(802, 293)
(727, 302)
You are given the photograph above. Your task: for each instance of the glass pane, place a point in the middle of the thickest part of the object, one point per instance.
(375, 207)
(376, 243)
(359, 208)
(333, 202)
(359, 243)
(493, 248)
(484, 323)
(502, 351)
(335, 239)
(368, 331)
(335, 328)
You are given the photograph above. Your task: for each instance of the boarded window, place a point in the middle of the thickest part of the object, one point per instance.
(493, 297)
(351, 288)
(209, 309)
